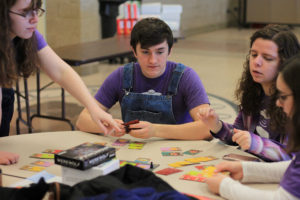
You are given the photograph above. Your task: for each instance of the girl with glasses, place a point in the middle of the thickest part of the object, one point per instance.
(287, 173)
(22, 50)
(258, 127)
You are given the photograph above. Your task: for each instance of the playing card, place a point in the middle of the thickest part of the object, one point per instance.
(42, 163)
(168, 171)
(32, 168)
(43, 155)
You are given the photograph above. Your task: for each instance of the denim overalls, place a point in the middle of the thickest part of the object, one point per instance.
(150, 106)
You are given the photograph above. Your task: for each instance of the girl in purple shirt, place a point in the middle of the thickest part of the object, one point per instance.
(22, 50)
(286, 172)
(258, 128)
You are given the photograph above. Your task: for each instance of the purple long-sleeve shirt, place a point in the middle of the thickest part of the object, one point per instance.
(265, 143)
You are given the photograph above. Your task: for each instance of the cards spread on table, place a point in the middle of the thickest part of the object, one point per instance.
(168, 171)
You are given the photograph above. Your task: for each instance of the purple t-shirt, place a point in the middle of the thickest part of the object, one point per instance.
(291, 179)
(41, 43)
(191, 92)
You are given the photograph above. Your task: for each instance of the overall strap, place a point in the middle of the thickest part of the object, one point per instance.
(175, 79)
(128, 76)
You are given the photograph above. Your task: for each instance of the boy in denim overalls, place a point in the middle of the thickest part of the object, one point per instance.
(164, 96)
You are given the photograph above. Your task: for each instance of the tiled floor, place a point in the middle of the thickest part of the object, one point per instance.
(216, 56)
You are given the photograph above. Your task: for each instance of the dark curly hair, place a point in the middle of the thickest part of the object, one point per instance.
(290, 72)
(249, 93)
(151, 31)
(17, 58)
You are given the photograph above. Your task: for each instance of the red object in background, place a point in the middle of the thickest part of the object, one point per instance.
(120, 26)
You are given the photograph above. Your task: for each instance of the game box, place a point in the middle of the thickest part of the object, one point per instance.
(85, 156)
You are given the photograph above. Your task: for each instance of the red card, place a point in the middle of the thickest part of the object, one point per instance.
(168, 171)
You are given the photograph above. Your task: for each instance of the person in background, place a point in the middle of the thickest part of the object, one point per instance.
(258, 127)
(285, 172)
(22, 50)
(163, 95)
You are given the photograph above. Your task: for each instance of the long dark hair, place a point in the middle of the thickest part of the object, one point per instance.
(290, 73)
(17, 57)
(249, 93)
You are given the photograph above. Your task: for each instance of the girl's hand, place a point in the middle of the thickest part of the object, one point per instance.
(210, 119)
(104, 120)
(214, 182)
(115, 133)
(234, 168)
(242, 138)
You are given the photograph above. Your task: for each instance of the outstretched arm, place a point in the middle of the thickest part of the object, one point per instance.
(64, 75)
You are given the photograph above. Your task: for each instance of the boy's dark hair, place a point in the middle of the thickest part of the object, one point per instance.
(290, 72)
(149, 32)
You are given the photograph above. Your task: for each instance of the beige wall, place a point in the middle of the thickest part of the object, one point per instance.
(200, 15)
(71, 21)
(74, 21)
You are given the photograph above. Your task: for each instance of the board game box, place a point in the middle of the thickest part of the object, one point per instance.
(85, 156)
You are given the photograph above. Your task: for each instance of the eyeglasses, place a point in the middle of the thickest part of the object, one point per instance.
(30, 13)
(282, 98)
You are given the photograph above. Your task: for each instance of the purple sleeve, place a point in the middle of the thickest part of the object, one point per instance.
(226, 132)
(195, 93)
(41, 43)
(267, 149)
(111, 89)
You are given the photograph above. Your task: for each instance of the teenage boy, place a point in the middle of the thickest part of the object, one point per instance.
(164, 96)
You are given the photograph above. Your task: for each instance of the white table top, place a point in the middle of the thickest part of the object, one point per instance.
(27, 144)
